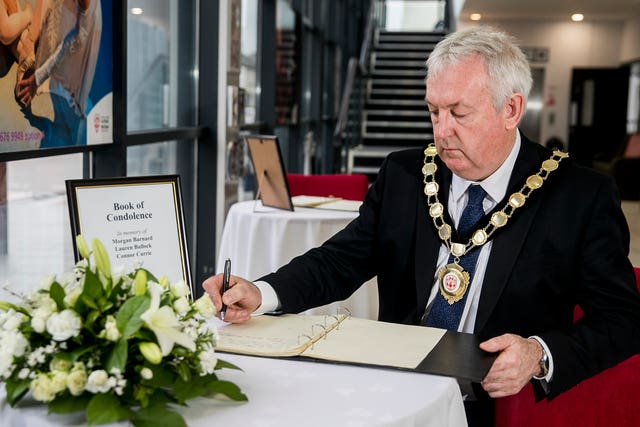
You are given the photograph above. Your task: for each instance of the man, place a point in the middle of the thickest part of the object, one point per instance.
(552, 235)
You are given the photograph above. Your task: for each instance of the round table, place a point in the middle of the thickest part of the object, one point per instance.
(259, 240)
(291, 393)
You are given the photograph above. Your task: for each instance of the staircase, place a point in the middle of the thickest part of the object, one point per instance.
(394, 114)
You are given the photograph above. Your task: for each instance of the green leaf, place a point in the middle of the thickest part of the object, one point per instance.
(155, 416)
(92, 289)
(106, 408)
(67, 404)
(224, 364)
(128, 317)
(118, 357)
(162, 377)
(184, 390)
(228, 389)
(56, 291)
(16, 389)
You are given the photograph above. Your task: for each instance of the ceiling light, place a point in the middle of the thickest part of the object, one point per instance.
(577, 17)
(136, 11)
(475, 17)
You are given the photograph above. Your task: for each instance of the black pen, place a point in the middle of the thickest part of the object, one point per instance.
(225, 285)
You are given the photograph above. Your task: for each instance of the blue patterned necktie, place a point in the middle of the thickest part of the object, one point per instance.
(444, 315)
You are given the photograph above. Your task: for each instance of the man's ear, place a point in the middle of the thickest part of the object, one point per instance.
(513, 110)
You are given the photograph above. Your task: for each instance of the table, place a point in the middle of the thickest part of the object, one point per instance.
(285, 393)
(259, 240)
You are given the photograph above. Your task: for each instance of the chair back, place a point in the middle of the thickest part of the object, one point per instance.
(345, 186)
(609, 398)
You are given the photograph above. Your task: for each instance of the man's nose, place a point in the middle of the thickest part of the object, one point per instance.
(443, 126)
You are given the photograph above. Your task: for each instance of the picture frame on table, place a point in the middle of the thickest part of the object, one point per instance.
(271, 178)
(139, 220)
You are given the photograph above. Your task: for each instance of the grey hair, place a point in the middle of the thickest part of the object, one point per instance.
(506, 65)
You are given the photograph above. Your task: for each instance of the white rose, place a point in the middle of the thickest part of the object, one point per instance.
(42, 388)
(208, 361)
(181, 305)
(76, 380)
(98, 382)
(64, 325)
(205, 306)
(179, 289)
(13, 343)
(12, 320)
(58, 381)
(6, 364)
(39, 324)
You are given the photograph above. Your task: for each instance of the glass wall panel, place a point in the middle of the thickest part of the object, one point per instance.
(35, 235)
(248, 58)
(160, 61)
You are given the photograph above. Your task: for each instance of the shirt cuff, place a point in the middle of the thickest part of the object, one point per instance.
(270, 301)
(549, 375)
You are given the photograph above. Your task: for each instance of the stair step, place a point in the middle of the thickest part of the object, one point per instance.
(397, 92)
(389, 54)
(417, 82)
(400, 73)
(393, 135)
(404, 102)
(400, 47)
(402, 64)
(406, 114)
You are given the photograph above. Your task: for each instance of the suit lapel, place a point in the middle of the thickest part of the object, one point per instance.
(508, 243)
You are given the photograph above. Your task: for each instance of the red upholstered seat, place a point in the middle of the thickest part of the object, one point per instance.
(345, 186)
(611, 398)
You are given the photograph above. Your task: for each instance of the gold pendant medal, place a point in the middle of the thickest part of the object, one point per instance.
(453, 282)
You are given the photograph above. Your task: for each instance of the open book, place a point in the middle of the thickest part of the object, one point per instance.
(320, 202)
(356, 341)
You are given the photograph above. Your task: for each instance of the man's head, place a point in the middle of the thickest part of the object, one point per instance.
(478, 81)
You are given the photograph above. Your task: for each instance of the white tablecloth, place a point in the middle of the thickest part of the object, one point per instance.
(260, 242)
(286, 393)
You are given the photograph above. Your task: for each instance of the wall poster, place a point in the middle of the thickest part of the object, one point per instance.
(56, 74)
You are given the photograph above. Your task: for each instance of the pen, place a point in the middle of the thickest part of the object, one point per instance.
(225, 285)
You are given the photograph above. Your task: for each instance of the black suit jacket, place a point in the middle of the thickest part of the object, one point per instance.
(567, 245)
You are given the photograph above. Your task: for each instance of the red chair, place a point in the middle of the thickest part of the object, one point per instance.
(611, 398)
(345, 186)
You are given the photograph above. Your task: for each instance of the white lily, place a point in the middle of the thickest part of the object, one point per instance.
(164, 323)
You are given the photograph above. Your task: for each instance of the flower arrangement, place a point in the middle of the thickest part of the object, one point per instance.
(121, 346)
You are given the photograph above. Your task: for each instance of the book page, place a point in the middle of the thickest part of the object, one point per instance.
(311, 201)
(341, 205)
(372, 342)
(278, 336)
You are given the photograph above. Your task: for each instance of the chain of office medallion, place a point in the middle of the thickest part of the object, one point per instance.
(498, 219)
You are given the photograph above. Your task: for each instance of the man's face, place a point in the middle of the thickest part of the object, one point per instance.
(472, 138)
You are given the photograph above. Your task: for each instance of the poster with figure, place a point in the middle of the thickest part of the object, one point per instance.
(56, 74)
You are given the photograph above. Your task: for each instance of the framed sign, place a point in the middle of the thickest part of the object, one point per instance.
(271, 178)
(139, 220)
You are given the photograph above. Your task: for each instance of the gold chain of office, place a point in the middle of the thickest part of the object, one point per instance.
(453, 280)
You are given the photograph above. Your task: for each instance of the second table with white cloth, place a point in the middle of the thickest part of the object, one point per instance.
(259, 240)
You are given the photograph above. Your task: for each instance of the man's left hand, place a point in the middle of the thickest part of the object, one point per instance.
(514, 366)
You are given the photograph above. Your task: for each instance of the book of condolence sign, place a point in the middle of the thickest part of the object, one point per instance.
(138, 219)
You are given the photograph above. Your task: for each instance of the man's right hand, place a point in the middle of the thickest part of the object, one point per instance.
(242, 298)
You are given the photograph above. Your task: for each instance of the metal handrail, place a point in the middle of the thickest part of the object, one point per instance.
(343, 114)
(366, 42)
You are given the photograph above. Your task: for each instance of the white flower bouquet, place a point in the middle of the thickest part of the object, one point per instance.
(120, 346)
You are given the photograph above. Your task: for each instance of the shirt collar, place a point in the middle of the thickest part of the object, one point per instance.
(495, 184)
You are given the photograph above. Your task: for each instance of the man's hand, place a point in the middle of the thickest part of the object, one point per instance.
(515, 365)
(242, 298)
